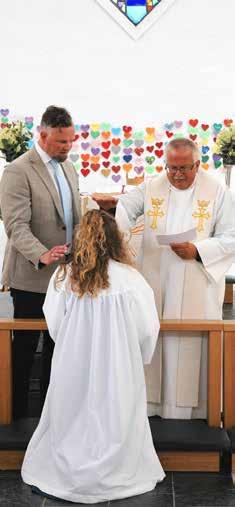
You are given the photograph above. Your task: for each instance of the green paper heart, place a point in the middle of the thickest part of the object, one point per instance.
(4, 120)
(116, 159)
(149, 169)
(29, 125)
(150, 160)
(204, 133)
(95, 133)
(205, 158)
(217, 126)
(139, 135)
(178, 135)
(105, 126)
(77, 166)
(217, 163)
(127, 142)
(192, 130)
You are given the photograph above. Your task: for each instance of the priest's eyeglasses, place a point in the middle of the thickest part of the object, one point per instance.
(182, 169)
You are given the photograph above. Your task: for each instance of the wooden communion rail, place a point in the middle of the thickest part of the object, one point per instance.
(171, 460)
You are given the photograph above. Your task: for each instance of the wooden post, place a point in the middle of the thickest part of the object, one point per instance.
(214, 379)
(229, 375)
(5, 377)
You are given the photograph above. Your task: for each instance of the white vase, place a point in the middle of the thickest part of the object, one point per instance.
(228, 172)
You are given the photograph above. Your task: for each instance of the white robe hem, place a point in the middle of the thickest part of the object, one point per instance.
(89, 499)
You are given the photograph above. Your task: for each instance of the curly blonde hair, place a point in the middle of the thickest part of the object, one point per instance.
(97, 239)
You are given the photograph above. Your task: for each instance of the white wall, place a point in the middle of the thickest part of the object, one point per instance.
(70, 52)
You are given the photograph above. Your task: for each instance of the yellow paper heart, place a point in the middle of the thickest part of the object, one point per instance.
(149, 139)
(95, 126)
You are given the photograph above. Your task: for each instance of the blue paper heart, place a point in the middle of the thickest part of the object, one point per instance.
(30, 143)
(168, 126)
(127, 158)
(205, 149)
(77, 127)
(116, 131)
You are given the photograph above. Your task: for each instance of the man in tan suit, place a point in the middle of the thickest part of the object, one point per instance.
(40, 205)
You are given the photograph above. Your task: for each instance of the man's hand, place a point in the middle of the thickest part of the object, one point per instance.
(106, 202)
(186, 251)
(53, 255)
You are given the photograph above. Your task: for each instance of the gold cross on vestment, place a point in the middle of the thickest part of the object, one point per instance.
(156, 212)
(202, 214)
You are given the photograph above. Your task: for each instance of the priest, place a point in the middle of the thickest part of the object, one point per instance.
(188, 278)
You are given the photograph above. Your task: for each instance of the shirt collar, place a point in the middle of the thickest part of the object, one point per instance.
(42, 154)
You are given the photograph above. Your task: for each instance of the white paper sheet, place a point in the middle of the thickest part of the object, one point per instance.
(182, 237)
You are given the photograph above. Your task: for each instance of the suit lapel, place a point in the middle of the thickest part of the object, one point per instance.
(43, 173)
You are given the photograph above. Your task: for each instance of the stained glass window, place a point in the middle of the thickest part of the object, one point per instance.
(136, 10)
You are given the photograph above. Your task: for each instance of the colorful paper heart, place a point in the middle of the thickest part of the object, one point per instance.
(85, 146)
(193, 122)
(228, 122)
(106, 134)
(95, 151)
(4, 112)
(85, 135)
(127, 158)
(205, 159)
(159, 153)
(94, 134)
(95, 126)
(138, 142)
(217, 126)
(217, 163)
(106, 163)
(127, 142)
(150, 148)
(205, 166)
(85, 156)
(116, 178)
(127, 167)
(116, 149)
(116, 159)
(106, 154)
(178, 124)
(127, 129)
(139, 134)
(150, 160)
(139, 169)
(127, 151)
(205, 149)
(105, 126)
(159, 168)
(95, 167)
(74, 157)
(85, 172)
(105, 172)
(116, 168)
(169, 134)
(149, 169)
(85, 128)
(193, 137)
(116, 141)
(95, 159)
(106, 144)
(116, 131)
(85, 165)
(168, 126)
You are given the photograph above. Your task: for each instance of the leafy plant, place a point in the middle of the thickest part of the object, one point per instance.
(14, 140)
(225, 145)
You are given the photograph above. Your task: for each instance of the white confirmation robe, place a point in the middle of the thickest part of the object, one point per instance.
(177, 377)
(93, 442)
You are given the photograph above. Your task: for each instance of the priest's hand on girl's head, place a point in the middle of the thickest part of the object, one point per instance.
(106, 202)
(186, 251)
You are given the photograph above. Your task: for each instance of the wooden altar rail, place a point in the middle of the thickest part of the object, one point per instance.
(214, 329)
(229, 381)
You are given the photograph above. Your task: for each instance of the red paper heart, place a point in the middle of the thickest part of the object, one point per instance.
(204, 126)
(106, 145)
(85, 164)
(159, 145)
(105, 154)
(106, 163)
(127, 129)
(76, 137)
(193, 137)
(95, 167)
(169, 134)
(127, 135)
(228, 122)
(150, 148)
(139, 151)
(159, 153)
(85, 172)
(159, 168)
(193, 123)
(116, 168)
(116, 141)
(85, 134)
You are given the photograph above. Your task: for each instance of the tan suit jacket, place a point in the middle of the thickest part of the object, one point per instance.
(33, 218)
